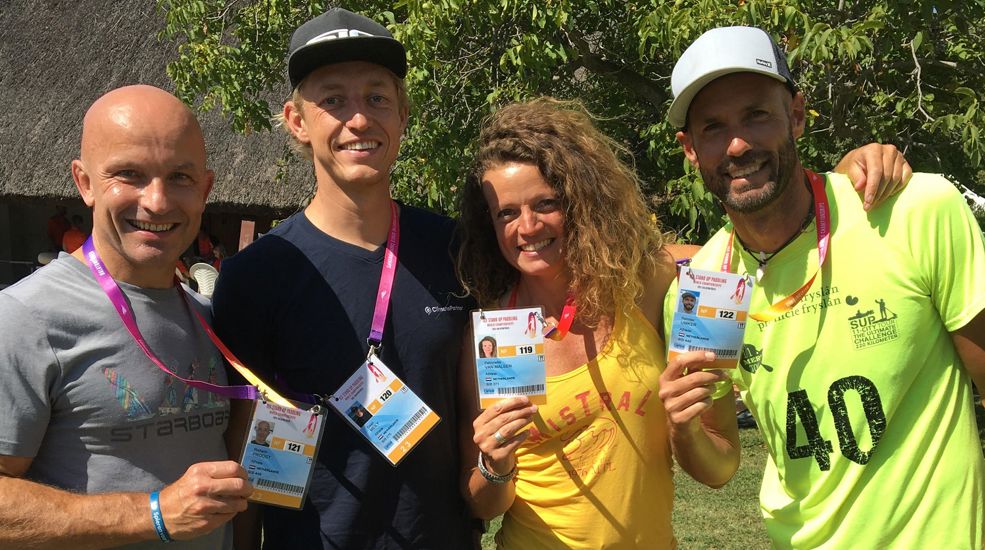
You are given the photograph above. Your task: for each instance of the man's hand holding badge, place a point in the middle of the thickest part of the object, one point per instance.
(206, 496)
(687, 390)
(280, 457)
(707, 332)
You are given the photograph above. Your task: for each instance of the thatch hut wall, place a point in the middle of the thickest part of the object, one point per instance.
(56, 58)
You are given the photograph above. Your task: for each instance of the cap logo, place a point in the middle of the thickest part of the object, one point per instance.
(336, 34)
(764, 63)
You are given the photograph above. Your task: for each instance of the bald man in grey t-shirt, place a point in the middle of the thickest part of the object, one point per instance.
(92, 433)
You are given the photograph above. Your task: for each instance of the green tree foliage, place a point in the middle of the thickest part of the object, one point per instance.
(905, 72)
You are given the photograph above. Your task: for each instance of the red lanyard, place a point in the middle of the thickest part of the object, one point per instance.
(821, 207)
(115, 295)
(559, 331)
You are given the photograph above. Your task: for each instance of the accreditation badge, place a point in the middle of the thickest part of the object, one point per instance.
(384, 410)
(509, 354)
(711, 312)
(279, 455)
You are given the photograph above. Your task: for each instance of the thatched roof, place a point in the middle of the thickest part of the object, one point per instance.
(58, 56)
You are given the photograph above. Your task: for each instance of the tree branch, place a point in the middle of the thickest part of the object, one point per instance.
(633, 81)
(916, 73)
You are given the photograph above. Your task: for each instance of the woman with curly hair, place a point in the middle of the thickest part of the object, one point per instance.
(551, 216)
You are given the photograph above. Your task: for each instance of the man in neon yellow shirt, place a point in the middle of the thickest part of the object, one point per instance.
(861, 380)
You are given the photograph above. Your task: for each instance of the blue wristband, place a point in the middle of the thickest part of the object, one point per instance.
(157, 517)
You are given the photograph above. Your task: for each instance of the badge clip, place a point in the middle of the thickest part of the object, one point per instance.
(375, 348)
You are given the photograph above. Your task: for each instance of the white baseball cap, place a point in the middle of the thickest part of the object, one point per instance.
(719, 52)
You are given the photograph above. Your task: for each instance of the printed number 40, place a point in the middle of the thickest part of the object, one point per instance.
(799, 406)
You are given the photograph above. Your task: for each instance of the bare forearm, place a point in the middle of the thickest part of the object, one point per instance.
(708, 450)
(488, 500)
(36, 516)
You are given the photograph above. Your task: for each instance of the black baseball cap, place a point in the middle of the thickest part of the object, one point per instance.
(339, 35)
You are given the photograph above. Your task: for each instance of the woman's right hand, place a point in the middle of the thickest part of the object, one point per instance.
(498, 431)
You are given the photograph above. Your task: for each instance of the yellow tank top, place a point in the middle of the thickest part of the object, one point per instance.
(596, 471)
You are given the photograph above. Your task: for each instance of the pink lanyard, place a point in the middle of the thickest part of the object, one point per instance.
(375, 339)
(559, 331)
(823, 246)
(119, 302)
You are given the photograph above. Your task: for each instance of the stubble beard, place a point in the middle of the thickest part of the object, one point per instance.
(781, 170)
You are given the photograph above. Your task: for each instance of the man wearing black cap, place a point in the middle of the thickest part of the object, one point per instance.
(866, 329)
(297, 305)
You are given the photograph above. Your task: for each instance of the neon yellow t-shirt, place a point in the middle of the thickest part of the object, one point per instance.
(596, 472)
(860, 395)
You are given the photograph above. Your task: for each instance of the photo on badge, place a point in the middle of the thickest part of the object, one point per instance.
(710, 315)
(280, 452)
(384, 410)
(509, 354)
(688, 301)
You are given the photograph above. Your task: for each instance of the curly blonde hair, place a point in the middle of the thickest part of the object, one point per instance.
(612, 239)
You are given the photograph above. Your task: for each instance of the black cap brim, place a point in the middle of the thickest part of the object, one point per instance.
(380, 50)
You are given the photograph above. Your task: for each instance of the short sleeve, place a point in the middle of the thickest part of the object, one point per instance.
(28, 374)
(950, 247)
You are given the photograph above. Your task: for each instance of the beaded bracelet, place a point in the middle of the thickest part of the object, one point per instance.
(495, 478)
(157, 517)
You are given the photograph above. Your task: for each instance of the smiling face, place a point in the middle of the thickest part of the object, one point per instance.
(487, 348)
(688, 301)
(740, 135)
(262, 431)
(527, 219)
(143, 174)
(352, 115)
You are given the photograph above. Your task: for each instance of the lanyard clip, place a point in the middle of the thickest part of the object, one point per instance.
(685, 262)
(375, 348)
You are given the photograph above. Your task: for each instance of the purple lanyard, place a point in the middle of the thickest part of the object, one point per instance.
(375, 339)
(115, 296)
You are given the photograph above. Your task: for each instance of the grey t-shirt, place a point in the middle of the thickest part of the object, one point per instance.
(79, 396)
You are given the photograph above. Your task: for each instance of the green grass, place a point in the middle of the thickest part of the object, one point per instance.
(487, 540)
(728, 517)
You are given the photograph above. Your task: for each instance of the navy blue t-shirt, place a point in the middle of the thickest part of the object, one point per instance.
(296, 306)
